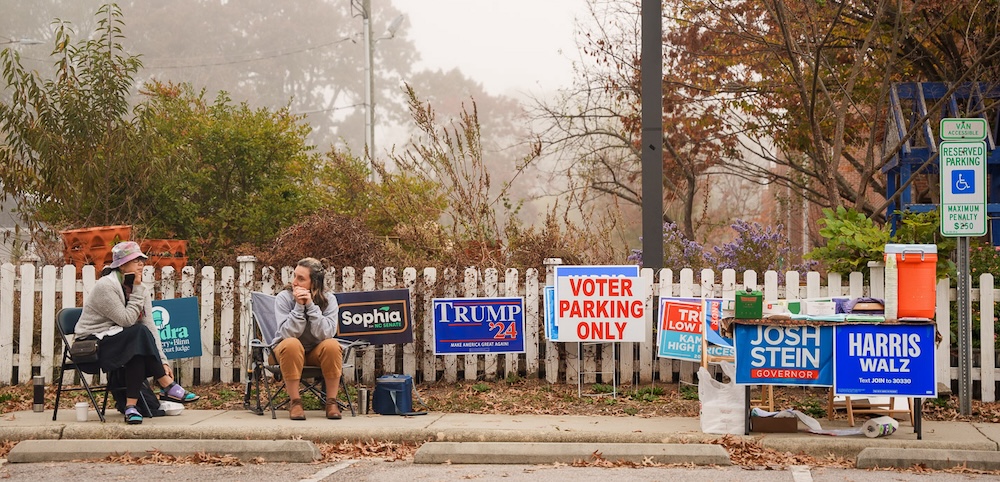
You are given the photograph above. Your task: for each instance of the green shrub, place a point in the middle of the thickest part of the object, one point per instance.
(688, 392)
(602, 388)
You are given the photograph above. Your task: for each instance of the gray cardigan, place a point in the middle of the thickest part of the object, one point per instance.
(105, 308)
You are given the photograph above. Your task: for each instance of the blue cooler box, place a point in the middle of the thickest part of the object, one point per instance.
(393, 395)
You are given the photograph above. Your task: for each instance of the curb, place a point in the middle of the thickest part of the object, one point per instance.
(870, 458)
(246, 450)
(568, 453)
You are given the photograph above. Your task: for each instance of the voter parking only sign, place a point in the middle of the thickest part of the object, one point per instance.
(893, 360)
(601, 308)
(784, 355)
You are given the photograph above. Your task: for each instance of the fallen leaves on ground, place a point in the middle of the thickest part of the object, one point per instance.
(749, 453)
(385, 450)
(158, 458)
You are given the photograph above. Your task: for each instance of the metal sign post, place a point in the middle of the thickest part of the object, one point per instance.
(962, 161)
(964, 329)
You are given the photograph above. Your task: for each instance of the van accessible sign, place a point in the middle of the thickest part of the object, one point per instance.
(961, 129)
(597, 307)
(784, 355)
(894, 360)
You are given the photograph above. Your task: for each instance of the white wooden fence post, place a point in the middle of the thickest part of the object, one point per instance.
(6, 323)
(27, 329)
(409, 349)
(987, 331)
(429, 361)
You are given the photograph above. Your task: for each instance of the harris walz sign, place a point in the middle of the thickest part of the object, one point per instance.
(379, 317)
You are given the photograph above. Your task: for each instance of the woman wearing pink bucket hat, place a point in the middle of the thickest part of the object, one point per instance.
(119, 312)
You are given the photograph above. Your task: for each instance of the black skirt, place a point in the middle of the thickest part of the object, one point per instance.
(118, 349)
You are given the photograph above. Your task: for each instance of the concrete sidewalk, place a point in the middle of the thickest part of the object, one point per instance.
(957, 441)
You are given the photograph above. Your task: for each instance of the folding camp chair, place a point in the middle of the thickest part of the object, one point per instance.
(263, 363)
(66, 320)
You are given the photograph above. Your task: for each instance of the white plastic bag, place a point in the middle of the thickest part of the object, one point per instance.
(723, 405)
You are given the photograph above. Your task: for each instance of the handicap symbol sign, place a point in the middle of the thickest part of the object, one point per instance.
(963, 181)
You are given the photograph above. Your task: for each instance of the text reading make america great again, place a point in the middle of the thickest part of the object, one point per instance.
(601, 308)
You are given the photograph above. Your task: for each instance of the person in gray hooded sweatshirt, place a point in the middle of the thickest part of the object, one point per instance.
(307, 325)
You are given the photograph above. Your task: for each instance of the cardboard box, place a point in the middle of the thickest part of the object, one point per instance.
(774, 424)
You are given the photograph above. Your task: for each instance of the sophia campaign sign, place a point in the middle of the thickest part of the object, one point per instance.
(784, 355)
(600, 304)
(478, 325)
(894, 360)
(379, 317)
(179, 325)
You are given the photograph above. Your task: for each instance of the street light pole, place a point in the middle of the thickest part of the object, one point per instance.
(370, 40)
(369, 88)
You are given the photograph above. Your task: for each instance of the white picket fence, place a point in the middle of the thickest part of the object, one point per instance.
(30, 298)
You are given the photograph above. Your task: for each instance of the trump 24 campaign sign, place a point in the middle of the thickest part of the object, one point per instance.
(602, 308)
(885, 360)
(784, 355)
(478, 325)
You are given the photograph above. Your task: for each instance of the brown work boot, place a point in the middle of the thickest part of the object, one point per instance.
(295, 410)
(333, 410)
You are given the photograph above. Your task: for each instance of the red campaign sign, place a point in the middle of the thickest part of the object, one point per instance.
(683, 317)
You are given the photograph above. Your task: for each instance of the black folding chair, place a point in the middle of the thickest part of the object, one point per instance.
(66, 320)
(264, 365)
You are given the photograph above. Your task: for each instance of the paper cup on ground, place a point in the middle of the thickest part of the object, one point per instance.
(81, 411)
(880, 427)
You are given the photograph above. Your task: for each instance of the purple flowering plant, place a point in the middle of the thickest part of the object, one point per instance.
(678, 251)
(756, 247)
(759, 248)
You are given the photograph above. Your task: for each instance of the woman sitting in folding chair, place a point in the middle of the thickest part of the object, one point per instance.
(119, 312)
(307, 324)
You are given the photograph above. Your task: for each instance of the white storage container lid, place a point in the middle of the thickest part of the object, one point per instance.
(910, 248)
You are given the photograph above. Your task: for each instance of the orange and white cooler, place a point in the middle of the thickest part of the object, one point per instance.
(917, 279)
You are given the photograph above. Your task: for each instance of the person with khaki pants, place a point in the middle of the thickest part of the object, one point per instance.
(307, 324)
